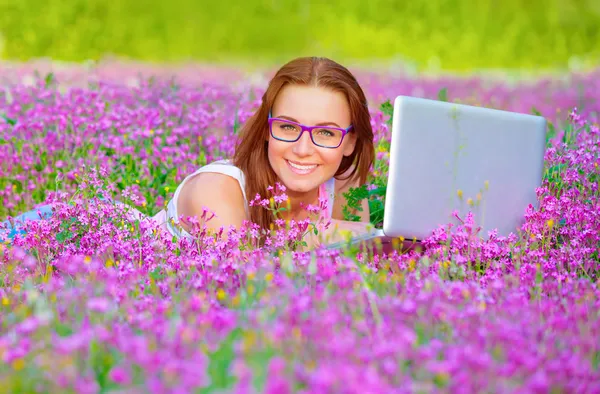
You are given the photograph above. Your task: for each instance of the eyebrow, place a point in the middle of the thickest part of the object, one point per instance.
(318, 124)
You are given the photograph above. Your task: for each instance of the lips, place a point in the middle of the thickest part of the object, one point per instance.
(301, 169)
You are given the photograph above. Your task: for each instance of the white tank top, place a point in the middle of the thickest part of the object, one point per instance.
(171, 215)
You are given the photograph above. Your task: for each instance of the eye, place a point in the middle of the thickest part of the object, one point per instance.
(287, 126)
(325, 132)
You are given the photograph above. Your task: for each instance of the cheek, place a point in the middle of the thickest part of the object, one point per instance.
(332, 157)
(275, 150)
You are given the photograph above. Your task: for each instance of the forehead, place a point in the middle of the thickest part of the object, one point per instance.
(312, 104)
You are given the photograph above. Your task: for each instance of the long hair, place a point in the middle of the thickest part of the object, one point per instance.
(251, 152)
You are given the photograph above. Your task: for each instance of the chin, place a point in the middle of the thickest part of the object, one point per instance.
(301, 186)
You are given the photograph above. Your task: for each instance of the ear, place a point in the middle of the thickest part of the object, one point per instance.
(349, 143)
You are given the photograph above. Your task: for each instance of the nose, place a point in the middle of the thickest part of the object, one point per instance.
(304, 146)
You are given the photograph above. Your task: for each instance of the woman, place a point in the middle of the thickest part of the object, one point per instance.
(282, 143)
(312, 133)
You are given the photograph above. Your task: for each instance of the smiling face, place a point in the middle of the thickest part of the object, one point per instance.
(303, 166)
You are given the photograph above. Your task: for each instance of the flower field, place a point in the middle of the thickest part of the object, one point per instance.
(95, 300)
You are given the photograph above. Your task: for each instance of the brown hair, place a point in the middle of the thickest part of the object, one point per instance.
(251, 152)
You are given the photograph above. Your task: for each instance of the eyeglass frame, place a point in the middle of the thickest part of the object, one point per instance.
(304, 128)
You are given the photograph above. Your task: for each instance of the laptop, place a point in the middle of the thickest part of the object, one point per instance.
(447, 157)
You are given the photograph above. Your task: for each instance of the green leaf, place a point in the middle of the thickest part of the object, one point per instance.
(62, 236)
(63, 330)
(443, 94)
(156, 274)
(49, 80)
(380, 191)
(553, 174)
(376, 210)
(18, 184)
(551, 132)
(596, 360)
(534, 111)
(102, 360)
(388, 109)
(8, 120)
(236, 122)
(220, 361)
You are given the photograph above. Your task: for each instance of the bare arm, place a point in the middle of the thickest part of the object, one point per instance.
(220, 194)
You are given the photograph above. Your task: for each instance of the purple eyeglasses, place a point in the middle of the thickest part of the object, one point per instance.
(323, 136)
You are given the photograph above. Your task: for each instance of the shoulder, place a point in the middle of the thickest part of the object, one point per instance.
(210, 185)
(216, 192)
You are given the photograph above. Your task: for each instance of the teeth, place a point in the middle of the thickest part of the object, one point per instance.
(305, 168)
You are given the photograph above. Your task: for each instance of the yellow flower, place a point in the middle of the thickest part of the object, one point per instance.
(470, 201)
(442, 378)
(18, 364)
(87, 259)
(249, 339)
(236, 300)
(446, 264)
(167, 189)
(269, 276)
(297, 333)
(459, 193)
(221, 294)
(550, 223)
(5, 301)
(250, 275)
(109, 263)
(151, 132)
(250, 289)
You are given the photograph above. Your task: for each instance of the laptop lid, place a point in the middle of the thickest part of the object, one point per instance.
(446, 156)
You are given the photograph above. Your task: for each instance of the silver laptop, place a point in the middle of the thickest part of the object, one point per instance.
(447, 157)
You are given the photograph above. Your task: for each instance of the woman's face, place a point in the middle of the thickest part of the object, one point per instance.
(303, 166)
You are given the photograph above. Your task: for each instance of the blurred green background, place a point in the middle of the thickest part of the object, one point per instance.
(431, 34)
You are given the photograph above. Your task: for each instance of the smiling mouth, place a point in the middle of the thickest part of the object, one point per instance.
(301, 169)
